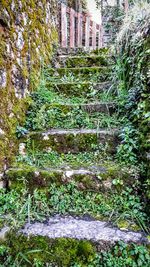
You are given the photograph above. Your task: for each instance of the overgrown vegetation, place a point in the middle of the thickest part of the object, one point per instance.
(51, 111)
(125, 209)
(35, 251)
(132, 72)
(35, 191)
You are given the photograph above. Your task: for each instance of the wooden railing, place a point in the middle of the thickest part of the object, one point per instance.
(78, 30)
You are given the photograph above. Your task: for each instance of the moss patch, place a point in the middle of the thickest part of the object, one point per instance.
(25, 40)
(62, 252)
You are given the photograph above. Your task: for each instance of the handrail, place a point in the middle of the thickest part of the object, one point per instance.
(78, 30)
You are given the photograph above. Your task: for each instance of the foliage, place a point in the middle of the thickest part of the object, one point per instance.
(52, 110)
(113, 15)
(17, 207)
(128, 148)
(132, 72)
(21, 251)
(54, 159)
(123, 255)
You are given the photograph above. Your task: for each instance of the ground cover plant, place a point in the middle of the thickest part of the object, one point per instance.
(76, 253)
(84, 174)
(124, 210)
(132, 72)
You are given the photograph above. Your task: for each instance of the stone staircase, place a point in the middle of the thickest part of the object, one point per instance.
(72, 138)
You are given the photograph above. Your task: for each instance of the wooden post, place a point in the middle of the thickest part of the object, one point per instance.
(87, 31)
(94, 35)
(72, 28)
(79, 39)
(63, 26)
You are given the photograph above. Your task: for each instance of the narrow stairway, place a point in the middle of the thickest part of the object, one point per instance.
(67, 163)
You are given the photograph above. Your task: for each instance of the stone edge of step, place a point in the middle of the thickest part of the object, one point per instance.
(79, 228)
(110, 132)
(90, 104)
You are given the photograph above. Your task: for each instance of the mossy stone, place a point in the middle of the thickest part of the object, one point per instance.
(58, 252)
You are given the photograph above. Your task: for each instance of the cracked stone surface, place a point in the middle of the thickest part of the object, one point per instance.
(82, 229)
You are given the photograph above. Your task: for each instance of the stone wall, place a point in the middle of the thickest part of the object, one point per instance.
(28, 30)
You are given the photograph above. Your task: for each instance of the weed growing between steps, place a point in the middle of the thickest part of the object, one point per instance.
(20, 251)
(50, 110)
(53, 159)
(57, 116)
(48, 95)
(124, 209)
(68, 76)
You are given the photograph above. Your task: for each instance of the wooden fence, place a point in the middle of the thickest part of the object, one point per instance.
(78, 30)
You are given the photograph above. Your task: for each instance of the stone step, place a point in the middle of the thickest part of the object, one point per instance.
(82, 61)
(68, 241)
(72, 51)
(74, 140)
(81, 51)
(79, 89)
(79, 228)
(82, 73)
(107, 108)
(101, 177)
(68, 116)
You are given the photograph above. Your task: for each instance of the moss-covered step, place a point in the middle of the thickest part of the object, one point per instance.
(70, 116)
(124, 208)
(74, 141)
(72, 51)
(82, 61)
(107, 108)
(106, 176)
(30, 249)
(81, 51)
(83, 73)
(79, 88)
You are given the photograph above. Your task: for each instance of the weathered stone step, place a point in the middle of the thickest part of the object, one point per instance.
(72, 51)
(107, 108)
(101, 177)
(82, 73)
(78, 88)
(82, 229)
(82, 61)
(74, 140)
(81, 51)
(68, 116)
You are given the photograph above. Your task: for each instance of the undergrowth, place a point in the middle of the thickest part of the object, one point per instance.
(40, 252)
(18, 207)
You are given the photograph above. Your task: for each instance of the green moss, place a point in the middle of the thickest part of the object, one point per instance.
(107, 176)
(31, 178)
(62, 252)
(70, 142)
(88, 61)
(125, 225)
(81, 89)
(84, 72)
(12, 108)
